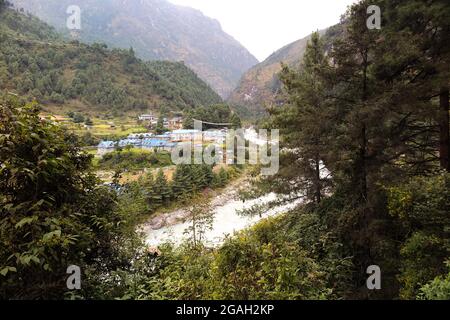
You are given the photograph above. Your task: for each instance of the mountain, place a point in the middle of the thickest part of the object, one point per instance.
(157, 30)
(36, 62)
(259, 86)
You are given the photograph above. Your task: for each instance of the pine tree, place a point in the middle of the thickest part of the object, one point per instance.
(198, 178)
(414, 56)
(182, 183)
(222, 177)
(162, 187)
(208, 174)
(160, 126)
(152, 198)
(304, 122)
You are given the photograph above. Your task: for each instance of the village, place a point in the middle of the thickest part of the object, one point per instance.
(168, 140)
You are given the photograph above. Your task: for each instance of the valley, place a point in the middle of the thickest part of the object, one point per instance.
(340, 175)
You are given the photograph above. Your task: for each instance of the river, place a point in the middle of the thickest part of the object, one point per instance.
(226, 221)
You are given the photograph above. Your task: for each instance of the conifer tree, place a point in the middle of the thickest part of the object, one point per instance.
(162, 187)
(304, 123)
(223, 177)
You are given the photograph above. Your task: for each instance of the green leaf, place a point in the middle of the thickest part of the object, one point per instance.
(50, 235)
(25, 221)
(5, 270)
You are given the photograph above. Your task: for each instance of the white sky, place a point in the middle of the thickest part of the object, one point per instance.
(264, 26)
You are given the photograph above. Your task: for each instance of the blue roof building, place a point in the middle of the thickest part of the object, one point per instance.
(130, 142)
(107, 145)
(157, 143)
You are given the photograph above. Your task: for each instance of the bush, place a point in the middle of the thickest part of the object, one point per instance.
(53, 213)
(438, 289)
(422, 207)
(134, 160)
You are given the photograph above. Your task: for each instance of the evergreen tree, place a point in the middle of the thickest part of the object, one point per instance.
(162, 188)
(222, 177)
(160, 126)
(304, 122)
(413, 62)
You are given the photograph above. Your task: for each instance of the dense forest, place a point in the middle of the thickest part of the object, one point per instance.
(37, 63)
(364, 143)
(368, 125)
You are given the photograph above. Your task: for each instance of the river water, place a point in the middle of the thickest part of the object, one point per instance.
(226, 218)
(226, 221)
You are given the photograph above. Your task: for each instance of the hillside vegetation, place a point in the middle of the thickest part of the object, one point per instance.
(260, 86)
(158, 30)
(36, 63)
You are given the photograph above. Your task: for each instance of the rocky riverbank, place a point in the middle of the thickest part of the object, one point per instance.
(181, 215)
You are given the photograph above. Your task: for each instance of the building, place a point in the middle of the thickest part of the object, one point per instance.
(185, 135)
(217, 136)
(165, 136)
(175, 123)
(130, 142)
(105, 147)
(157, 144)
(140, 135)
(147, 117)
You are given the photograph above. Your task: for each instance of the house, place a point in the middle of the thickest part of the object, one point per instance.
(175, 123)
(217, 136)
(185, 135)
(147, 117)
(130, 142)
(140, 135)
(164, 136)
(105, 147)
(157, 144)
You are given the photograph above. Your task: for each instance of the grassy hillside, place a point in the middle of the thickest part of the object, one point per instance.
(36, 62)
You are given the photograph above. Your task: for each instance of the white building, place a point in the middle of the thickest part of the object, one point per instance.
(147, 117)
(185, 135)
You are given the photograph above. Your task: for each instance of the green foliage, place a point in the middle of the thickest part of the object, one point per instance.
(261, 263)
(438, 289)
(53, 213)
(422, 207)
(183, 85)
(160, 126)
(39, 64)
(362, 137)
(215, 113)
(134, 160)
(187, 183)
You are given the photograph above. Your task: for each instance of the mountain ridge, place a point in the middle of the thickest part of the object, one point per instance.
(157, 30)
(260, 86)
(37, 63)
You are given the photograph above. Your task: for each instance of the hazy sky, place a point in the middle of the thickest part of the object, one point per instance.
(264, 26)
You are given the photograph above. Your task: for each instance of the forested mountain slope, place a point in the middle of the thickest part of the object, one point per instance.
(36, 63)
(157, 30)
(259, 87)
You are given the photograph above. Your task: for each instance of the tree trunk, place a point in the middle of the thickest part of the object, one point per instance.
(363, 162)
(318, 184)
(444, 129)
